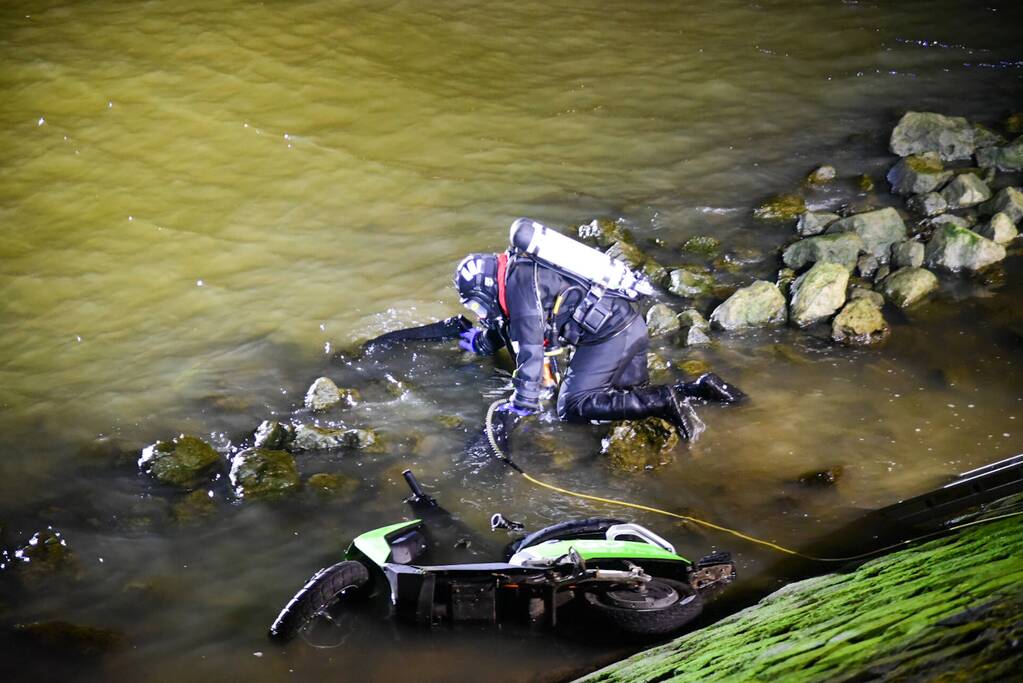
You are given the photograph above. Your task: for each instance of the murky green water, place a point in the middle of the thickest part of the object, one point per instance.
(203, 202)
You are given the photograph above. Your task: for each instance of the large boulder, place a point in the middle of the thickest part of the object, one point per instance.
(691, 281)
(184, 461)
(954, 248)
(878, 230)
(260, 473)
(965, 190)
(1008, 200)
(929, 204)
(951, 137)
(640, 444)
(811, 223)
(918, 173)
(781, 208)
(314, 438)
(909, 253)
(818, 293)
(999, 229)
(1008, 158)
(859, 323)
(842, 248)
(906, 286)
(757, 305)
(661, 320)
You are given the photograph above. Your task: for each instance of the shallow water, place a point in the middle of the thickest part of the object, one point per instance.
(204, 203)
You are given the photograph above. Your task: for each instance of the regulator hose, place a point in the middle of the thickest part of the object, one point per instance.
(501, 455)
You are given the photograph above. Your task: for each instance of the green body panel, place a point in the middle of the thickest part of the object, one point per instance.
(600, 549)
(374, 545)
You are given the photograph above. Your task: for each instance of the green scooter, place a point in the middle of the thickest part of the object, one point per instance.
(623, 575)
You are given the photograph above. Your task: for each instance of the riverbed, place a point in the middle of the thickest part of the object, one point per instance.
(207, 206)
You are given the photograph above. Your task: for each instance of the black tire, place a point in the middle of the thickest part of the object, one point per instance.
(317, 595)
(623, 607)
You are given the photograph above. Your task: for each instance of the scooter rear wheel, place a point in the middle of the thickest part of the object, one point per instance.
(318, 594)
(663, 606)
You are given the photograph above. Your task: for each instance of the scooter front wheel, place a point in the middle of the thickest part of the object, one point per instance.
(325, 588)
(659, 607)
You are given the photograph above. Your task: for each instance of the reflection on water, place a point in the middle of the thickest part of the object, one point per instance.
(202, 205)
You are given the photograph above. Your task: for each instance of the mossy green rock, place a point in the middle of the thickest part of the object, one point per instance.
(878, 230)
(46, 553)
(185, 461)
(758, 305)
(842, 248)
(951, 137)
(260, 473)
(955, 248)
(919, 614)
(606, 232)
(966, 190)
(67, 639)
(194, 508)
(701, 245)
(273, 435)
(781, 208)
(661, 320)
(640, 444)
(332, 485)
(917, 174)
(818, 293)
(691, 281)
(632, 255)
(1008, 200)
(907, 286)
(873, 297)
(860, 323)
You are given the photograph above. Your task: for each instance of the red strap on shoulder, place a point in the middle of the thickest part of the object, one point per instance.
(502, 276)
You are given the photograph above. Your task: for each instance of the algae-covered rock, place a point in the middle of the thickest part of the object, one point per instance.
(909, 253)
(661, 320)
(818, 293)
(821, 175)
(929, 204)
(695, 336)
(451, 421)
(906, 286)
(692, 318)
(811, 223)
(323, 394)
(865, 183)
(878, 230)
(701, 245)
(875, 298)
(954, 248)
(46, 553)
(194, 508)
(640, 444)
(65, 639)
(1008, 200)
(691, 281)
(313, 438)
(332, 485)
(655, 362)
(781, 208)
(758, 305)
(786, 276)
(951, 137)
(273, 435)
(630, 254)
(866, 265)
(1007, 158)
(859, 323)
(694, 367)
(965, 190)
(999, 229)
(259, 473)
(918, 174)
(184, 461)
(606, 232)
(985, 137)
(655, 272)
(953, 220)
(842, 248)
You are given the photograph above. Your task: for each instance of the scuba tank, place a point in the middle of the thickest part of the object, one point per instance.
(577, 260)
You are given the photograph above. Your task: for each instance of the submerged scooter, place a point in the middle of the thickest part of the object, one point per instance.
(622, 574)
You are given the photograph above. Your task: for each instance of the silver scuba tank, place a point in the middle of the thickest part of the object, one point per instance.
(566, 254)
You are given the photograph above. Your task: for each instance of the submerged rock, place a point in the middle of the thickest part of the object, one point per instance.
(906, 286)
(818, 293)
(259, 473)
(312, 438)
(46, 553)
(918, 174)
(757, 305)
(183, 462)
(691, 281)
(954, 248)
(1008, 200)
(824, 478)
(332, 485)
(781, 208)
(865, 183)
(811, 223)
(70, 640)
(842, 248)
(909, 253)
(965, 190)
(999, 229)
(661, 320)
(878, 229)
(606, 232)
(822, 175)
(951, 137)
(640, 444)
(930, 204)
(860, 322)
(194, 508)
(701, 245)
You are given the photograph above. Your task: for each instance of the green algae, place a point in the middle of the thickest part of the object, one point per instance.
(781, 208)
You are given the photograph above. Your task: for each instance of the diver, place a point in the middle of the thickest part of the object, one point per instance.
(549, 290)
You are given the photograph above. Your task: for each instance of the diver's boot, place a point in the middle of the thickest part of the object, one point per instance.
(635, 404)
(710, 387)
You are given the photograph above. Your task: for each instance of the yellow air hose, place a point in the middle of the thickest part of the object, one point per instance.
(702, 522)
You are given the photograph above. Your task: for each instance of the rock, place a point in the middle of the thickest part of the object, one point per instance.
(661, 320)
(882, 273)
(842, 248)
(260, 473)
(324, 394)
(195, 507)
(657, 363)
(781, 208)
(859, 323)
(878, 229)
(867, 265)
(875, 298)
(965, 190)
(1008, 200)
(811, 223)
(641, 444)
(692, 318)
(655, 272)
(313, 438)
(694, 367)
(757, 305)
(985, 137)
(918, 174)
(827, 477)
(951, 219)
(46, 553)
(273, 435)
(908, 254)
(691, 281)
(1007, 158)
(930, 204)
(606, 232)
(701, 245)
(332, 485)
(632, 255)
(785, 278)
(954, 248)
(907, 286)
(818, 293)
(451, 421)
(1014, 123)
(822, 175)
(183, 462)
(695, 336)
(865, 183)
(999, 229)
(952, 137)
(65, 639)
